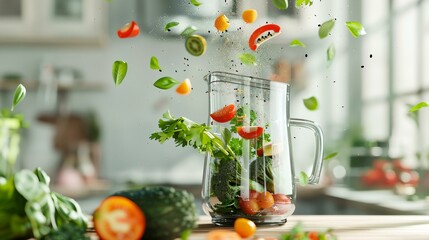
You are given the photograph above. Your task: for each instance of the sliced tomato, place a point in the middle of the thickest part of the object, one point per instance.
(130, 29)
(119, 218)
(282, 204)
(250, 132)
(224, 114)
(261, 34)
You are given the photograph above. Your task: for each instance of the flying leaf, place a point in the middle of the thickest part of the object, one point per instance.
(330, 53)
(188, 31)
(356, 29)
(247, 59)
(303, 178)
(280, 4)
(419, 105)
(326, 28)
(19, 94)
(119, 71)
(302, 3)
(195, 3)
(296, 43)
(329, 156)
(311, 103)
(165, 83)
(170, 25)
(154, 63)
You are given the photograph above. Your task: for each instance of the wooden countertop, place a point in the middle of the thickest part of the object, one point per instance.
(362, 227)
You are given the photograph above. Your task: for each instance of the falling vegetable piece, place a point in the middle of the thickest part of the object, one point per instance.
(165, 83)
(170, 25)
(224, 114)
(326, 28)
(19, 94)
(196, 45)
(356, 29)
(247, 59)
(302, 3)
(221, 23)
(296, 43)
(119, 71)
(250, 132)
(188, 31)
(418, 106)
(249, 15)
(330, 53)
(303, 178)
(129, 30)
(195, 3)
(329, 156)
(119, 218)
(154, 63)
(311, 103)
(185, 87)
(280, 4)
(257, 37)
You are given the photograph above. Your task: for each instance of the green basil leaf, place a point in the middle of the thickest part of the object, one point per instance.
(188, 31)
(356, 29)
(20, 92)
(170, 25)
(195, 3)
(419, 105)
(296, 43)
(326, 28)
(119, 71)
(329, 156)
(154, 63)
(302, 3)
(165, 83)
(280, 4)
(330, 53)
(303, 178)
(226, 135)
(247, 59)
(311, 103)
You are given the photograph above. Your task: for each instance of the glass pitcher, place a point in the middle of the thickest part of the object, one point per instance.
(257, 182)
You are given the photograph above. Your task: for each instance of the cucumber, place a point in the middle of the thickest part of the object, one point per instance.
(196, 45)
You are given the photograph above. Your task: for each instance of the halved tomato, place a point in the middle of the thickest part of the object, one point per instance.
(224, 114)
(119, 218)
(130, 29)
(250, 132)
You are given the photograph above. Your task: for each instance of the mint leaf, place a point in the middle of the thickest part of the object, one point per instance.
(188, 31)
(280, 4)
(119, 71)
(329, 156)
(418, 106)
(326, 28)
(170, 25)
(303, 178)
(19, 94)
(154, 63)
(165, 83)
(311, 103)
(296, 43)
(356, 29)
(330, 53)
(195, 3)
(247, 59)
(302, 3)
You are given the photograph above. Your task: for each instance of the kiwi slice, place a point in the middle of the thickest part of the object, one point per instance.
(196, 45)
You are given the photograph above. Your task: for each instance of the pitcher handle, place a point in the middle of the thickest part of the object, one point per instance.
(318, 134)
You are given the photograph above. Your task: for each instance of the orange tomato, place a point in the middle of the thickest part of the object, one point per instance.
(223, 235)
(244, 227)
(221, 23)
(313, 235)
(118, 218)
(184, 88)
(249, 15)
(265, 200)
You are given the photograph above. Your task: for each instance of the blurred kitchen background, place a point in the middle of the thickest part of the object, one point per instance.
(92, 136)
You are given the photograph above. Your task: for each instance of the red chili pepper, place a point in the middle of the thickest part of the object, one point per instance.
(130, 29)
(257, 38)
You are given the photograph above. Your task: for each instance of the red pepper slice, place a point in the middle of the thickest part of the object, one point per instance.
(257, 38)
(130, 29)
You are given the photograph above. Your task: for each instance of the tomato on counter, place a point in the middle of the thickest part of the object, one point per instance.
(119, 218)
(244, 227)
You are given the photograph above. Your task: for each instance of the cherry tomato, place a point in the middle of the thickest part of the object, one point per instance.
(257, 38)
(221, 234)
(282, 204)
(265, 200)
(250, 132)
(130, 29)
(250, 206)
(119, 218)
(372, 177)
(313, 235)
(244, 227)
(224, 114)
(390, 178)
